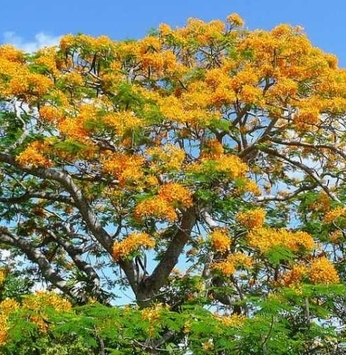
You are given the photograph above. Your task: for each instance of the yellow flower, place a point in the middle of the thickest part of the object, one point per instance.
(165, 29)
(235, 20)
(334, 214)
(11, 53)
(127, 168)
(295, 275)
(237, 260)
(225, 267)
(3, 274)
(213, 149)
(266, 238)
(51, 114)
(322, 271)
(252, 218)
(176, 193)
(130, 244)
(32, 156)
(220, 240)
(156, 207)
(8, 305)
(3, 329)
(233, 321)
(168, 157)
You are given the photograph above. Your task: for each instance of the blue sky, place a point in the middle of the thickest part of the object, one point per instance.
(34, 23)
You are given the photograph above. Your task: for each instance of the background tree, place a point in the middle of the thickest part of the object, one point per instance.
(209, 144)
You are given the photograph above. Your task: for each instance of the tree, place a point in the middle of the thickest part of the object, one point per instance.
(208, 145)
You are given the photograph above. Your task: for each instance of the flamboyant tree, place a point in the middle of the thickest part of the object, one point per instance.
(204, 164)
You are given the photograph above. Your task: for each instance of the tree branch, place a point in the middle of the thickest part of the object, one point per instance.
(37, 257)
(149, 286)
(304, 168)
(65, 180)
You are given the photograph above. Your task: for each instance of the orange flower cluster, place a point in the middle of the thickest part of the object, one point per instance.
(235, 20)
(153, 316)
(126, 168)
(319, 271)
(3, 329)
(176, 194)
(76, 127)
(94, 44)
(213, 149)
(30, 83)
(46, 299)
(200, 31)
(167, 158)
(220, 240)
(51, 114)
(163, 205)
(2, 275)
(334, 214)
(8, 306)
(229, 165)
(252, 219)
(11, 54)
(121, 122)
(295, 275)
(41, 300)
(321, 203)
(131, 243)
(323, 271)
(32, 156)
(237, 260)
(156, 207)
(233, 320)
(46, 58)
(266, 238)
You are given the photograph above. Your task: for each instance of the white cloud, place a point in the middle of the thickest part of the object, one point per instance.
(41, 40)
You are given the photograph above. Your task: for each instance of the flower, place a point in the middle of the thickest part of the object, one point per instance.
(127, 168)
(334, 214)
(130, 244)
(295, 275)
(8, 305)
(235, 20)
(2, 275)
(252, 218)
(176, 193)
(233, 320)
(228, 266)
(266, 238)
(322, 271)
(32, 156)
(220, 240)
(156, 207)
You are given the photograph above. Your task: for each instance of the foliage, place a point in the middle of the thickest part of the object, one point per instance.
(208, 148)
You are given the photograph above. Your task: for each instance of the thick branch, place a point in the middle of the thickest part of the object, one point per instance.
(81, 202)
(75, 255)
(37, 194)
(36, 257)
(82, 205)
(149, 287)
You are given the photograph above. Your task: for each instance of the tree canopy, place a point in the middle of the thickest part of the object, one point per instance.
(203, 168)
